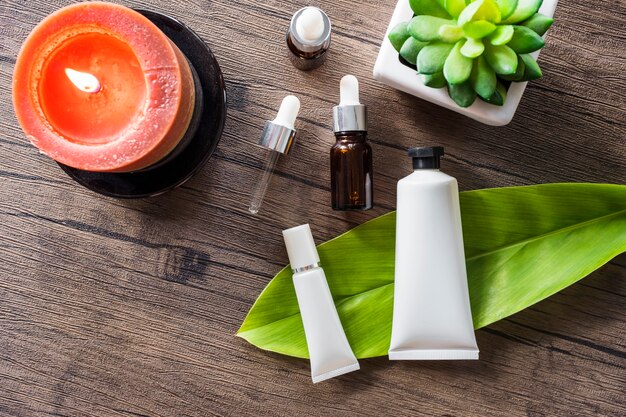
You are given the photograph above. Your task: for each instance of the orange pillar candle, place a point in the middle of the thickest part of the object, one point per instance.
(98, 87)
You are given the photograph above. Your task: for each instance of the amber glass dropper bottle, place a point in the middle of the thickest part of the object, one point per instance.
(308, 38)
(351, 156)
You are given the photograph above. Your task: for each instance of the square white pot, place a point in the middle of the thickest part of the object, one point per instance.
(389, 70)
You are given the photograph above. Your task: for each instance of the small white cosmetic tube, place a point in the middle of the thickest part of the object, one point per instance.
(329, 350)
(432, 318)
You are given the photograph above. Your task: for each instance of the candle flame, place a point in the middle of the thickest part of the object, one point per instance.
(83, 81)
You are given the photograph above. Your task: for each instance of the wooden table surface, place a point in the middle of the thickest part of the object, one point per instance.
(129, 308)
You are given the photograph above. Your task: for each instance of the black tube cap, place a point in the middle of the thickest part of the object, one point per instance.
(426, 157)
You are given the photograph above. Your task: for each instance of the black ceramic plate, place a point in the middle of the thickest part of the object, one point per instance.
(193, 152)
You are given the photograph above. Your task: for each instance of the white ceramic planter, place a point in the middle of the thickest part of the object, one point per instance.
(389, 70)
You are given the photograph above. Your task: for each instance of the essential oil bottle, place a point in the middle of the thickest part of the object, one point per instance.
(351, 157)
(308, 38)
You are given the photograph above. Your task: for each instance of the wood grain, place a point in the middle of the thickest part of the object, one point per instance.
(129, 308)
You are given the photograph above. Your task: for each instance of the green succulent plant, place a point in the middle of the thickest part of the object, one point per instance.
(474, 47)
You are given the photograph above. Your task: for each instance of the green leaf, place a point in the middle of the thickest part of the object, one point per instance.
(523, 10)
(519, 73)
(480, 10)
(507, 7)
(436, 80)
(462, 94)
(426, 28)
(473, 48)
(531, 70)
(522, 244)
(501, 58)
(428, 7)
(501, 35)
(498, 97)
(478, 29)
(457, 67)
(398, 35)
(432, 57)
(450, 33)
(538, 23)
(525, 40)
(483, 78)
(454, 7)
(411, 48)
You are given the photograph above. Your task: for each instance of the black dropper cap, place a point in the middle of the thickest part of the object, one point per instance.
(426, 157)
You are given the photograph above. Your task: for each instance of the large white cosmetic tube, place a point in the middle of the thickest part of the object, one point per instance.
(432, 318)
(329, 350)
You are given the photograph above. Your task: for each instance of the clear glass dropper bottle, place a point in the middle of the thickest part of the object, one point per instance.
(278, 136)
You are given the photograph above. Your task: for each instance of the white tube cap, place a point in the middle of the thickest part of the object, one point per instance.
(300, 247)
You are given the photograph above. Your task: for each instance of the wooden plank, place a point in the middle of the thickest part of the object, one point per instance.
(129, 308)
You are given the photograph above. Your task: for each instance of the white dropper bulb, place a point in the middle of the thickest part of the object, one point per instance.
(288, 112)
(349, 91)
(310, 24)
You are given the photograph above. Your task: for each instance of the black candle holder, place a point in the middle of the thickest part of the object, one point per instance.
(198, 143)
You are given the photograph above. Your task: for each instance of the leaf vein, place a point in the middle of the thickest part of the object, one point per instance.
(552, 232)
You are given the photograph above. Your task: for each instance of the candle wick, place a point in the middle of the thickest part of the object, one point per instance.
(83, 81)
